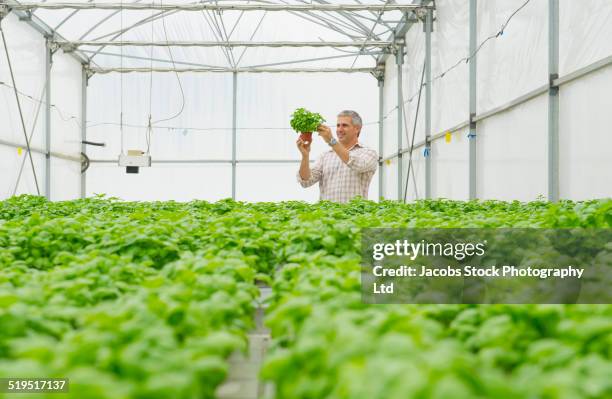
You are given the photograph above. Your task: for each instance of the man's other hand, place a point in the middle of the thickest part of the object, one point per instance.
(303, 146)
(325, 133)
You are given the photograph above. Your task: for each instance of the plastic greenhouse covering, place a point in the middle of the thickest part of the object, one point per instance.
(226, 133)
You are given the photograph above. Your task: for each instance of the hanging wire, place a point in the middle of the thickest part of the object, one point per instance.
(216, 31)
(222, 25)
(178, 78)
(467, 59)
(121, 124)
(252, 36)
(121, 79)
(380, 13)
(40, 101)
(25, 132)
(416, 118)
(149, 130)
(35, 120)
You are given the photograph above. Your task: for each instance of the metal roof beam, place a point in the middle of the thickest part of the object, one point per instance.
(40, 26)
(67, 45)
(30, 6)
(405, 24)
(231, 70)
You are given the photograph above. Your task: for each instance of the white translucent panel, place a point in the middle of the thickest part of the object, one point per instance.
(517, 61)
(52, 17)
(416, 183)
(12, 174)
(65, 179)
(585, 142)
(584, 33)
(390, 179)
(278, 182)
(450, 87)
(26, 48)
(85, 24)
(156, 57)
(266, 102)
(271, 182)
(272, 144)
(373, 190)
(412, 74)
(450, 167)
(66, 99)
(201, 131)
(179, 182)
(390, 143)
(511, 153)
(229, 25)
(166, 143)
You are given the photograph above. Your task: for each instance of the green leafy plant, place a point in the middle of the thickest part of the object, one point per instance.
(303, 120)
(148, 299)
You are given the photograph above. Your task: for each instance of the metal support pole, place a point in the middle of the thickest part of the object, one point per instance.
(235, 88)
(428, 29)
(472, 74)
(399, 59)
(381, 107)
(553, 100)
(84, 82)
(48, 61)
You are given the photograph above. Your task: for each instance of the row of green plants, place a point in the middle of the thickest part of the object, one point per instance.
(145, 300)
(329, 344)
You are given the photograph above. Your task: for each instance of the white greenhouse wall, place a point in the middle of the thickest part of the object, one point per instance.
(163, 182)
(11, 164)
(512, 146)
(450, 178)
(511, 153)
(203, 131)
(66, 97)
(450, 100)
(390, 109)
(27, 50)
(516, 62)
(585, 137)
(418, 171)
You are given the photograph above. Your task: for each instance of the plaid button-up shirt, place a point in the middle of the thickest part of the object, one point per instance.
(340, 182)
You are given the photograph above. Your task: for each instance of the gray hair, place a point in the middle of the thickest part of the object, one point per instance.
(355, 118)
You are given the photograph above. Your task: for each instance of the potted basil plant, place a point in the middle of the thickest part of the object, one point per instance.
(305, 122)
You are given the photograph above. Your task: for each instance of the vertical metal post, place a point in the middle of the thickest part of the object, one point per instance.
(48, 61)
(473, 93)
(399, 59)
(428, 29)
(235, 88)
(381, 107)
(553, 101)
(83, 126)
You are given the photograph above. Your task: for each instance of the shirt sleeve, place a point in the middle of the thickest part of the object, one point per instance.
(316, 172)
(363, 161)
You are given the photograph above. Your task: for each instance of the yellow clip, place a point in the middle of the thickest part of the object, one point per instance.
(447, 137)
(388, 162)
(19, 151)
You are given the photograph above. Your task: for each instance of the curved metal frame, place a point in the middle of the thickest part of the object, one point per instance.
(338, 18)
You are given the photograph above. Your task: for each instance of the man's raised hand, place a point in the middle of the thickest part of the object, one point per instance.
(303, 146)
(325, 133)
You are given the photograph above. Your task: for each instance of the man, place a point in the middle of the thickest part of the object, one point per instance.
(346, 170)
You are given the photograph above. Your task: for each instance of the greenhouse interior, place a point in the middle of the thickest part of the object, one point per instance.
(427, 215)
